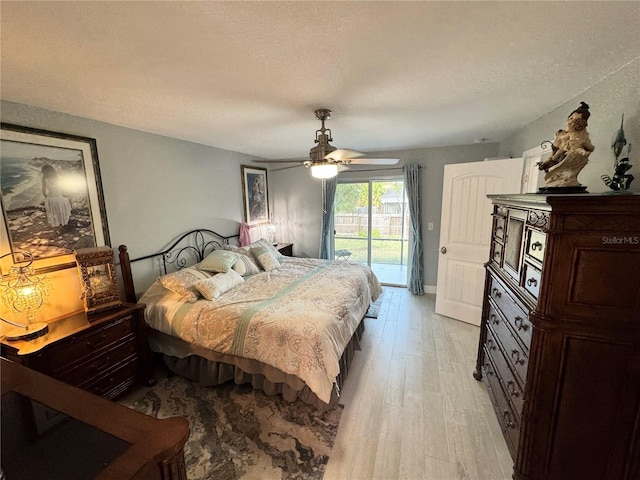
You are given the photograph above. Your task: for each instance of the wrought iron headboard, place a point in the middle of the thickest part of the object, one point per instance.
(198, 244)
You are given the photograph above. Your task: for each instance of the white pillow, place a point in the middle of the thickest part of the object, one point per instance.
(265, 258)
(181, 282)
(218, 261)
(213, 287)
(245, 266)
(269, 246)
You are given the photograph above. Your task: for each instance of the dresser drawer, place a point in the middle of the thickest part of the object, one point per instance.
(512, 309)
(506, 417)
(98, 364)
(509, 383)
(496, 252)
(536, 242)
(532, 277)
(498, 229)
(513, 350)
(88, 343)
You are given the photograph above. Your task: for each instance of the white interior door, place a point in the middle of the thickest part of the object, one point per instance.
(465, 232)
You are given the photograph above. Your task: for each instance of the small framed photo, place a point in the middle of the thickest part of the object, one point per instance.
(255, 195)
(98, 278)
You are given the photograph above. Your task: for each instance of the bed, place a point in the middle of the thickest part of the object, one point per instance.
(287, 325)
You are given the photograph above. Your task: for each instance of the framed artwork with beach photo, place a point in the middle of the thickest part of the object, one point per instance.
(52, 201)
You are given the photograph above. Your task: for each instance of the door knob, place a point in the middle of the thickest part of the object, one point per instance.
(443, 250)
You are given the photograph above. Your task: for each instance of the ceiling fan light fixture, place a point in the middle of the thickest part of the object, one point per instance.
(324, 170)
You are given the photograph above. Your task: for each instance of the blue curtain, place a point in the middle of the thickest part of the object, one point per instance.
(328, 197)
(416, 257)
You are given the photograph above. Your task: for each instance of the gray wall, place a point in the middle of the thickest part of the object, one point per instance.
(298, 198)
(617, 94)
(154, 187)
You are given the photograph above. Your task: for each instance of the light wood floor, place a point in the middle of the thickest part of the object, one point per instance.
(413, 410)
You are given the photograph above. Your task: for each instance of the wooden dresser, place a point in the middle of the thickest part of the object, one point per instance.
(559, 345)
(105, 354)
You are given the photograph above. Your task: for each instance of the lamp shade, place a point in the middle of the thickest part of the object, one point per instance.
(324, 170)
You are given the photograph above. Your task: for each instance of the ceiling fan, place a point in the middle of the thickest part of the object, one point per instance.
(324, 158)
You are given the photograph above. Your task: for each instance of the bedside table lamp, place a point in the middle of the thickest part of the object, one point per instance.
(26, 293)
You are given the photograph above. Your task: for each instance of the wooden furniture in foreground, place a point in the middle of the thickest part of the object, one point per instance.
(106, 353)
(285, 249)
(559, 345)
(40, 411)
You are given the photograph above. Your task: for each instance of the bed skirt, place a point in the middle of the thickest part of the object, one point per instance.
(210, 368)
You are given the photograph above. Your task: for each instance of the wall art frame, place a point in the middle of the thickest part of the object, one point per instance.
(51, 196)
(98, 278)
(255, 195)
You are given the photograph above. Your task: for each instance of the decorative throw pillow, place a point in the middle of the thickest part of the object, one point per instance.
(218, 261)
(230, 248)
(269, 246)
(265, 258)
(245, 266)
(213, 287)
(181, 282)
(244, 251)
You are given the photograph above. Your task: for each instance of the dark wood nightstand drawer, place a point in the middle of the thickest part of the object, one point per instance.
(86, 344)
(115, 382)
(96, 365)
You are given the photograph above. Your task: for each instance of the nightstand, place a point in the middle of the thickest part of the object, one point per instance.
(285, 248)
(105, 356)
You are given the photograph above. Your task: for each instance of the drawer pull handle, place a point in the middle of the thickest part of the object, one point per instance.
(532, 281)
(536, 246)
(511, 388)
(499, 227)
(95, 366)
(490, 344)
(496, 253)
(496, 293)
(515, 356)
(506, 416)
(97, 342)
(494, 319)
(519, 321)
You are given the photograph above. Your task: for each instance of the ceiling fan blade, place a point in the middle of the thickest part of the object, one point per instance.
(373, 161)
(277, 161)
(342, 154)
(286, 168)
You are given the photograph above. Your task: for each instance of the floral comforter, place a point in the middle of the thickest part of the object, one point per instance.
(297, 318)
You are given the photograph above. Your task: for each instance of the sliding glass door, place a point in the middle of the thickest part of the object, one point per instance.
(371, 226)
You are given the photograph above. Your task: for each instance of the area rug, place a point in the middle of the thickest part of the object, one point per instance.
(241, 433)
(374, 308)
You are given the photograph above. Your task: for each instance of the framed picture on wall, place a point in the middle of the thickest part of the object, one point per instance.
(255, 195)
(52, 200)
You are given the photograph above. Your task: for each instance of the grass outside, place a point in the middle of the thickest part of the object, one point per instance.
(382, 251)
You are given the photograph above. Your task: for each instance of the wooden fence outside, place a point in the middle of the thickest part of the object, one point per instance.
(383, 225)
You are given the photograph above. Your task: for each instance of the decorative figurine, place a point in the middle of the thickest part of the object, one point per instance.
(621, 179)
(571, 149)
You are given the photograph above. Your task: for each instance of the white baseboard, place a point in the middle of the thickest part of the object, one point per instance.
(430, 289)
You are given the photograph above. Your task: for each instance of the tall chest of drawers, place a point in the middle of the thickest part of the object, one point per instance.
(559, 347)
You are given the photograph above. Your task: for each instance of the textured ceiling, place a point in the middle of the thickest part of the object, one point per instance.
(247, 76)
